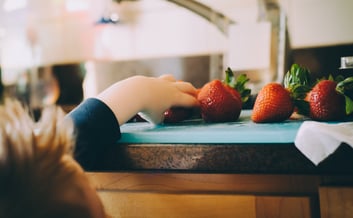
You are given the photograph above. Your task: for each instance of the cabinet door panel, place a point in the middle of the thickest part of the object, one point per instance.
(336, 202)
(283, 207)
(160, 205)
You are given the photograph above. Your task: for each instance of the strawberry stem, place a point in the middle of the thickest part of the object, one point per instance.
(297, 75)
(239, 84)
(297, 82)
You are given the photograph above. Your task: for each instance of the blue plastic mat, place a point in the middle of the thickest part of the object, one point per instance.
(197, 131)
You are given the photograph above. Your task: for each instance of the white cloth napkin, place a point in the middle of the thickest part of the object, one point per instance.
(317, 140)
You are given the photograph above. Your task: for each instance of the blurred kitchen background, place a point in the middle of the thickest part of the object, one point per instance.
(62, 51)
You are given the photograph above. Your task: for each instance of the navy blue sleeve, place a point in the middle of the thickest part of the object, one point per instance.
(96, 129)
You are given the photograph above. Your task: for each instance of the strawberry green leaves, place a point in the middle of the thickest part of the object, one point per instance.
(297, 82)
(238, 84)
(345, 88)
(297, 75)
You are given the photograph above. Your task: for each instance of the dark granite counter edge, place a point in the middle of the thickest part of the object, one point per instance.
(223, 158)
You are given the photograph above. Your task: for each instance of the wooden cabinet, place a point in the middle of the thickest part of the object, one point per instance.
(285, 207)
(177, 205)
(194, 195)
(336, 202)
(173, 205)
(207, 195)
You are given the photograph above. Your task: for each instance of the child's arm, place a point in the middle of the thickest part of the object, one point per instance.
(97, 120)
(149, 95)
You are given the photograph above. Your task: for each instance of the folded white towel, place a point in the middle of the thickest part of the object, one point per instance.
(317, 140)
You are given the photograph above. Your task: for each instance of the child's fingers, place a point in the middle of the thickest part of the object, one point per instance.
(186, 100)
(186, 87)
(168, 77)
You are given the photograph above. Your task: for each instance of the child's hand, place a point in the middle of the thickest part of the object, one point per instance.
(149, 96)
(165, 92)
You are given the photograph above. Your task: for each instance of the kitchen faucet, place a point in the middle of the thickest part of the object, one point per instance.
(215, 17)
(268, 11)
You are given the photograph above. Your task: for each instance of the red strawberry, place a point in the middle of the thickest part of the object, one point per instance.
(326, 104)
(219, 102)
(273, 104)
(177, 114)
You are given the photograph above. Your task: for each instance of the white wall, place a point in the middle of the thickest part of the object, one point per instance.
(311, 23)
(156, 29)
(315, 23)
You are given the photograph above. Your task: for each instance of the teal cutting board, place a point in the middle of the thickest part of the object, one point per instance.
(197, 131)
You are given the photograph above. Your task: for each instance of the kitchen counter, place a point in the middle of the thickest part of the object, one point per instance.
(239, 169)
(237, 147)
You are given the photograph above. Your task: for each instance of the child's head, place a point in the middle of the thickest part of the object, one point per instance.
(38, 176)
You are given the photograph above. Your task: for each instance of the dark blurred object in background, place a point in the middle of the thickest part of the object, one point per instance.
(322, 61)
(70, 79)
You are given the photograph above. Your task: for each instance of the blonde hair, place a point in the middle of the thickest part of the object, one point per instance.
(36, 164)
